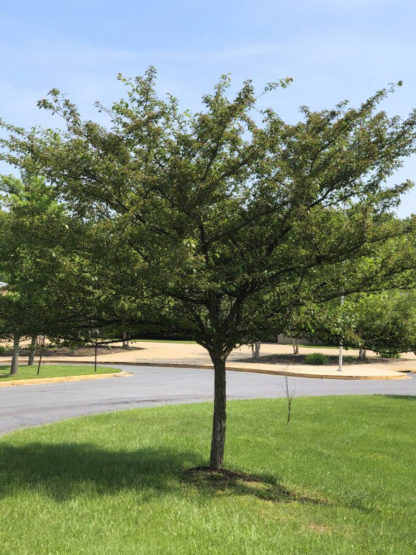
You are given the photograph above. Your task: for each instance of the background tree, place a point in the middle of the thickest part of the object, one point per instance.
(52, 289)
(30, 224)
(226, 207)
(386, 322)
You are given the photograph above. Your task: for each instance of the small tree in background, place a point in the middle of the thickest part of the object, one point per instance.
(51, 288)
(32, 238)
(386, 323)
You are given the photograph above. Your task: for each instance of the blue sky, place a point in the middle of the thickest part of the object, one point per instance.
(333, 49)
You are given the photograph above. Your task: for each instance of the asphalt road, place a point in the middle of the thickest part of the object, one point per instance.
(33, 405)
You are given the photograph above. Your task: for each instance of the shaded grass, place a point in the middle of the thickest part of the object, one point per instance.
(52, 371)
(339, 479)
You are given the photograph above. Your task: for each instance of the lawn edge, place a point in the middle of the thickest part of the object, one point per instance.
(60, 379)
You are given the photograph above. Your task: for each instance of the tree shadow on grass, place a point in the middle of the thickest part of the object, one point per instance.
(261, 486)
(65, 470)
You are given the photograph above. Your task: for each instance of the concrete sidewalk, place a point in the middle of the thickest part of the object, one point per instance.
(191, 355)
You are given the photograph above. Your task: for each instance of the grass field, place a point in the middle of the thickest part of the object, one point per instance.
(52, 371)
(339, 479)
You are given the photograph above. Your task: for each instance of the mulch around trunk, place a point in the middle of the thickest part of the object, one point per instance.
(225, 481)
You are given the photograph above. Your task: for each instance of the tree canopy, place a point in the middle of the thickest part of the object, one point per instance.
(230, 216)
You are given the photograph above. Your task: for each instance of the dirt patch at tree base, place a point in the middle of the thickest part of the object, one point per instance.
(227, 481)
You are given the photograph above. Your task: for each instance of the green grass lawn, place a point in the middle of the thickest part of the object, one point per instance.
(341, 478)
(52, 371)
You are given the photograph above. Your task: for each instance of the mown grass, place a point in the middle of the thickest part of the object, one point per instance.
(52, 371)
(339, 479)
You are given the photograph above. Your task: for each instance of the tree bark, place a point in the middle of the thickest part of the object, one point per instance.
(125, 340)
(295, 345)
(31, 359)
(219, 418)
(362, 355)
(42, 346)
(255, 350)
(15, 360)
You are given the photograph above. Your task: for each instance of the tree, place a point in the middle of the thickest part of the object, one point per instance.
(386, 322)
(30, 222)
(231, 216)
(51, 288)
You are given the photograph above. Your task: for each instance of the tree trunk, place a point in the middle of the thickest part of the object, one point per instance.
(42, 346)
(219, 419)
(255, 350)
(15, 360)
(31, 359)
(362, 355)
(125, 339)
(295, 345)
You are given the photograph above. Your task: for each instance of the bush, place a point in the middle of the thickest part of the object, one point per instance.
(3, 349)
(316, 358)
(389, 354)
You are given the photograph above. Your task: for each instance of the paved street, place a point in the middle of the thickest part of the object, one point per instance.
(33, 405)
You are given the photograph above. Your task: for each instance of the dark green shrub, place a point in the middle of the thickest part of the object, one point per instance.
(3, 349)
(389, 354)
(316, 358)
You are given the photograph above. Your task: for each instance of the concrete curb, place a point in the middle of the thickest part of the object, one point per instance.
(58, 379)
(340, 376)
(397, 375)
